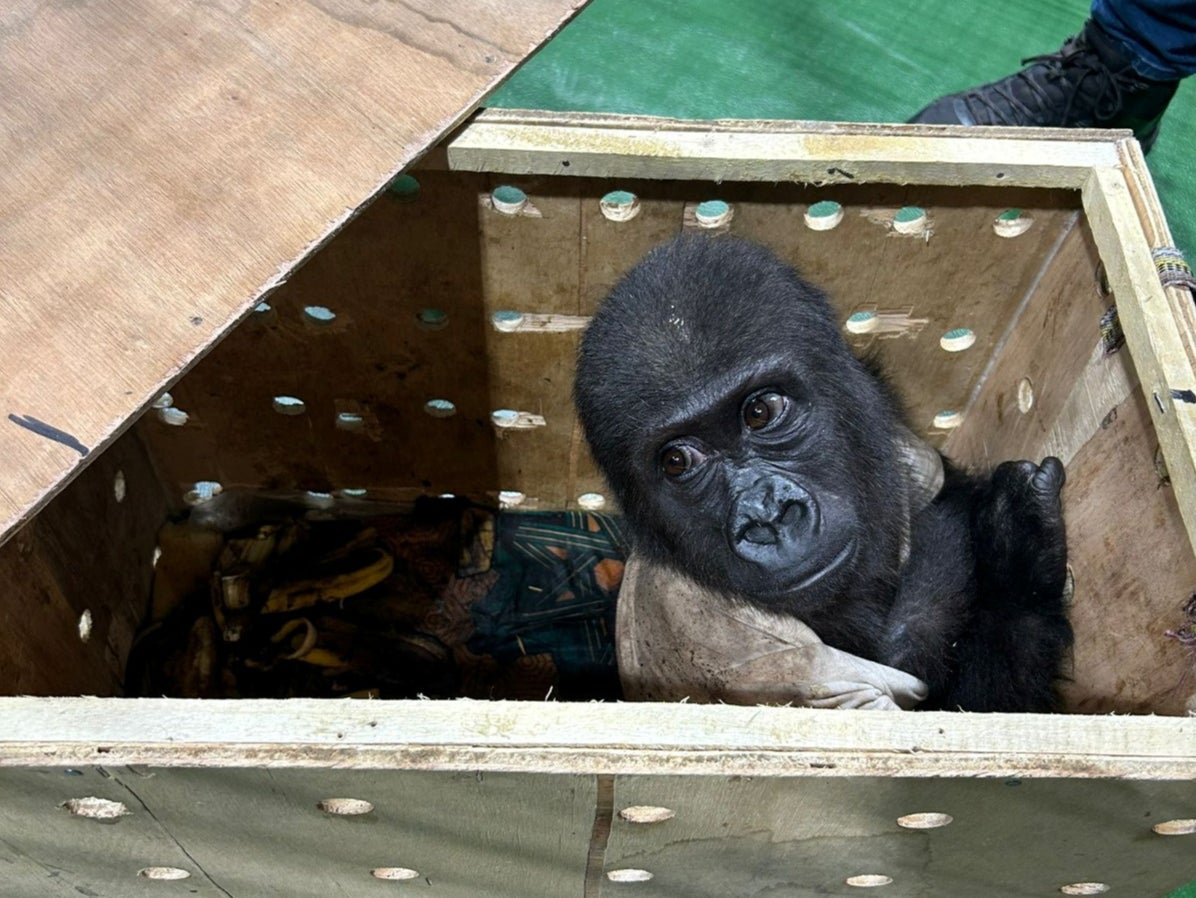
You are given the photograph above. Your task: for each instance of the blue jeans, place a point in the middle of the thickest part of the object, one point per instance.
(1160, 35)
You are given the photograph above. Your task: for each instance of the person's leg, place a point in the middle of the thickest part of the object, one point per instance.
(1159, 36)
(1096, 79)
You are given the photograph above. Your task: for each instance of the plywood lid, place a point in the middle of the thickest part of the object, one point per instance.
(162, 166)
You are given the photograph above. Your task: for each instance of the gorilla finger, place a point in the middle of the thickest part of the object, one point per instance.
(1048, 480)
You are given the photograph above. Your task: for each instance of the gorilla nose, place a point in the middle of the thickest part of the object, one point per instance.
(770, 512)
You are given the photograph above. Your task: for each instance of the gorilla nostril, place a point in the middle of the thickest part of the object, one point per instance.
(759, 534)
(793, 513)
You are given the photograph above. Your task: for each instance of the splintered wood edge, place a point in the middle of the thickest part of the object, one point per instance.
(594, 738)
(526, 142)
(1122, 208)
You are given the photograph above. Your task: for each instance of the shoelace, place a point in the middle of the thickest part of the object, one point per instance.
(1081, 61)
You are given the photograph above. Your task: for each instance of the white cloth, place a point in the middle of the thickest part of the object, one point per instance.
(677, 640)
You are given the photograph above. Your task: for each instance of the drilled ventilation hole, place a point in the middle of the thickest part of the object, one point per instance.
(404, 187)
(447, 496)
(96, 808)
(1012, 223)
(315, 499)
(1025, 395)
(119, 486)
(440, 408)
(506, 320)
(628, 874)
(289, 405)
(432, 319)
(345, 807)
(869, 880)
(394, 873)
(947, 419)
(958, 339)
(1175, 828)
(646, 813)
(824, 215)
(156, 557)
(85, 623)
(163, 873)
(591, 501)
(351, 421)
(511, 498)
(909, 220)
(712, 213)
(862, 323)
(319, 315)
(175, 417)
(1084, 888)
(202, 491)
(925, 820)
(164, 401)
(620, 205)
(508, 200)
(353, 493)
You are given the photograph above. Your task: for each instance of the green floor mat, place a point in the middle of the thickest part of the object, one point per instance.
(871, 60)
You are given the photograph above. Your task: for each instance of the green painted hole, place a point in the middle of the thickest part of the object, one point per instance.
(319, 314)
(619, 198)
(507, 320)
(405, 187)
(289, 405)
(909, 213)
(1010, 215)
(861, 317)
(350, 421)
(508, 195)
(440, 408)
(504, 417)
(713, 208)
(957, 333)
(262, 308)
(202, 491)
(432, 318)
(825, 209)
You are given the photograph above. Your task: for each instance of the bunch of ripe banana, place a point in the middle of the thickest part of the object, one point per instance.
(275, 596)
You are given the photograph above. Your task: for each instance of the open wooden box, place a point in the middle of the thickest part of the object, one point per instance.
(1003, 346)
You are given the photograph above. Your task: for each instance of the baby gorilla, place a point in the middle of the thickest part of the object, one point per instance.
(752, 451)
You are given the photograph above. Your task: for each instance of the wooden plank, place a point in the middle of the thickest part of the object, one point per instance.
(1159, 340)
(262, 832)
(177, 162)
(1054, 345)
(531, 265)
(807, 837)
(1133, 570)
(552, 737)
(524, 142)
(88, 557)
(374, 358)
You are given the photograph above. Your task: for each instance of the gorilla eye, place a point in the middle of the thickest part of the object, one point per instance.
(764, 408)
(679, 458)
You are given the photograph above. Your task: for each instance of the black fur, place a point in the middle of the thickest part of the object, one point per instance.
(803, 514)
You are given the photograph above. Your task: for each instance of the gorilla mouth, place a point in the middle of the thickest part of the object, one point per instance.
(845, 554)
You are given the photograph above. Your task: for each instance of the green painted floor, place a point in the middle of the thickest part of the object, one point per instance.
(869, 60)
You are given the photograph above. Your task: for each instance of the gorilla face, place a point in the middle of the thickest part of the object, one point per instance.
(746, 444)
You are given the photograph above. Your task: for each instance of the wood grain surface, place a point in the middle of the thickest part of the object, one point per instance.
(163, 166)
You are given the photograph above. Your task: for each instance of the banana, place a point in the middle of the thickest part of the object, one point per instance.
(333, 587)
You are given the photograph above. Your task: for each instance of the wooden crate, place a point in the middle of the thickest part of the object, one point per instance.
(495, 798)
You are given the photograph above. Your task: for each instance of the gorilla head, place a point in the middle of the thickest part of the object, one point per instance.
(746, 444)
